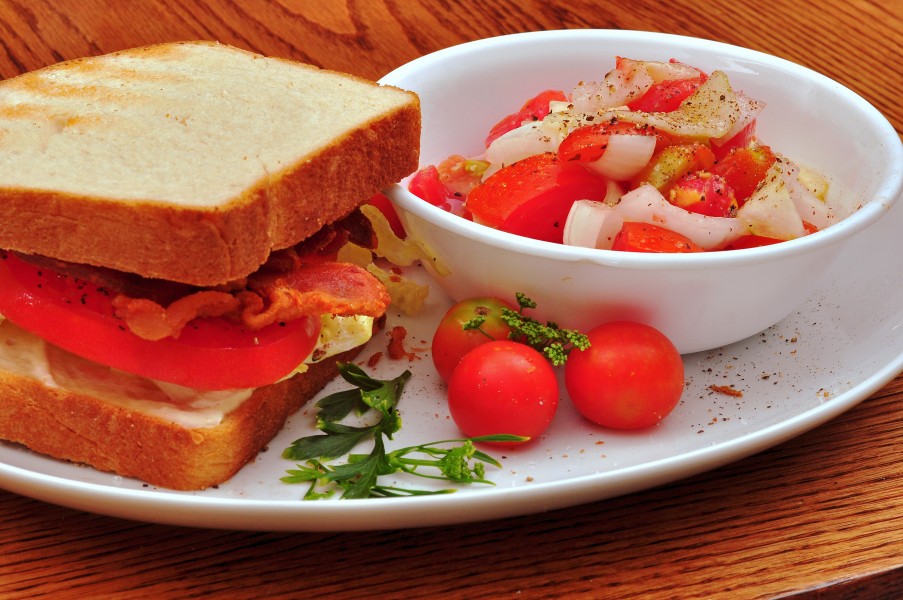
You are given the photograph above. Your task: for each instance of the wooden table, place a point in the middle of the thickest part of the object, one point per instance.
(721, 534)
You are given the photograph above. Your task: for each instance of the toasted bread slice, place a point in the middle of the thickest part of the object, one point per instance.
(132, 433)
(191, 161)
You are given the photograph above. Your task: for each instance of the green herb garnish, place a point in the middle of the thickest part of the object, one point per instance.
(549, 339)
(358, 477)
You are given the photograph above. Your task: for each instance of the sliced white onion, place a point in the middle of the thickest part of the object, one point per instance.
(613, 192)
(815, 182)
(710, 112)
(534, 137)
(667, 71)
(625, 155)
(770, 211)
(808, 205)
(592, 224)
(517, 144)
(748, 109)
(646, 205)
(628, 81)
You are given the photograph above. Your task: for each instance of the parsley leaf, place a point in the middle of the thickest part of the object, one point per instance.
(358, 477)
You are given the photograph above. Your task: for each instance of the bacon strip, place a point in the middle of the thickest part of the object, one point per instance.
(315, 288)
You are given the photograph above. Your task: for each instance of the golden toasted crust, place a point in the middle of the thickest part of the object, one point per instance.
(191, 161)
(83, 429)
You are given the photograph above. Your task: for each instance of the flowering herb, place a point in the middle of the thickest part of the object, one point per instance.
(549, 339)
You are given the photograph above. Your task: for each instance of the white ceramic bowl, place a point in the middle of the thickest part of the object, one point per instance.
(701, 301)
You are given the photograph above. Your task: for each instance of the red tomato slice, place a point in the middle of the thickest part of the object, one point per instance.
(588, 143)
(644, 237)
(666, 96)
(210, 354)
(533, 196)
(534, 109)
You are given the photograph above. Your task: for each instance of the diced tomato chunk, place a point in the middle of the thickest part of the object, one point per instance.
(588, 143)
(666, 96)
(741, 139)
(705, 194)
(533, 196)
(645, 237)
(744, 168)
(535, 109)
(751, 241)
(425, 184)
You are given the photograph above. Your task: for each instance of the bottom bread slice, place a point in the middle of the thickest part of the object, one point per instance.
(83, 429)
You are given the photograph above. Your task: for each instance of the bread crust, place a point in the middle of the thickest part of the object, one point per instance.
(200, 244)
(82, 429)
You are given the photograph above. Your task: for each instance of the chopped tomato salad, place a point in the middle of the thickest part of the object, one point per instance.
(661, 135)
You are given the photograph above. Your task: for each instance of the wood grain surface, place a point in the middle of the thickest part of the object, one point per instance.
(820, 516)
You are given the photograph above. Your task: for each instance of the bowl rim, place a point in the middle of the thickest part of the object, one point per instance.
(885, 196)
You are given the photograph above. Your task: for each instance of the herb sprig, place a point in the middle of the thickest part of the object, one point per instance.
(549, 339)
(358, 477)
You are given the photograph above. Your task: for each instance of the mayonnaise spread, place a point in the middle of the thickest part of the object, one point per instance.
(28, 355)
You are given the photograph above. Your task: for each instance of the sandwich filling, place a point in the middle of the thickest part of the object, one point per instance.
(241, 335)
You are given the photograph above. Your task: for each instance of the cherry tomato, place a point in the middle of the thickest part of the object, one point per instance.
(705, 194)
(666, 96)
(744, 168)
(645, 237)
(388, 210)
(534, 109)
(588, 143)
(630, 377)
(426, 185)
(503, 387)
(451, 342)
(209, 354)
(533, 196)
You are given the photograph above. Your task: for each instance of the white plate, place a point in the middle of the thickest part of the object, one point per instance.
(844, 344)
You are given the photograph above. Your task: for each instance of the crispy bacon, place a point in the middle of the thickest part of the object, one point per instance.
(151, 321)
(297, 281)
(314, 288)
(308, 289)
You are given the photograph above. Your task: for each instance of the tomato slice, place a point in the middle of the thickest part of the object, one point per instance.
(533, 196)
(534, 109)
(666, 96)
(210, 354)
(645, 237)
